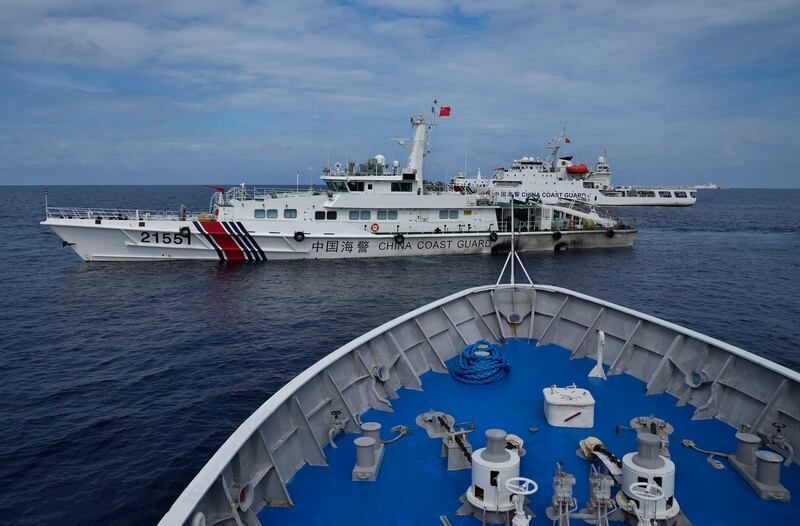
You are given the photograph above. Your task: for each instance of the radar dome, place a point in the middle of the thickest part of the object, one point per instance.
(381, 159)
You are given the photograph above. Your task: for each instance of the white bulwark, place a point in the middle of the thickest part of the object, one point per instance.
(372, 209)
(557, 177)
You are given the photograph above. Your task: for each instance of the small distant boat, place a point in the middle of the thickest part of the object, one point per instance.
(708, 186)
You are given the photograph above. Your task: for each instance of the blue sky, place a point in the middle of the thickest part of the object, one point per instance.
(225, 91)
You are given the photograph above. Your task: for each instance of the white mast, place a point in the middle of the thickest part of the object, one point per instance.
(555, 144)
(419, 145)
(465, 152)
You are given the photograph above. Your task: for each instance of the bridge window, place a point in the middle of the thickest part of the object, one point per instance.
(260, 214)
(392, 214)
(693, 194)
(337, 186)
(356, 186)
(272, 213)
(442, 214)
(331, 214)
(319, 215)
(587, 184)
(680, 194)
(401, 187)
(290, 213)
(354, 215)
(381, 214)
(453, 214)
(365, 215)
(665, 194)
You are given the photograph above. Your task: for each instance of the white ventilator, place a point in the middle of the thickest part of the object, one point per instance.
(598, 371)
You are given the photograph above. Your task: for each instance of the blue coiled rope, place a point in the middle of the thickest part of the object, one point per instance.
(489, 366)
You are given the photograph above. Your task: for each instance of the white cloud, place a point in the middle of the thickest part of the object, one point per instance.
(512, 69)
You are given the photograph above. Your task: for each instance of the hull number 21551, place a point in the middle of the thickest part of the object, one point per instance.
(165, 238)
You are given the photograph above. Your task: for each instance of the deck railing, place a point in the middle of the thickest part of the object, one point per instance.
(120, 214)
(243, 193)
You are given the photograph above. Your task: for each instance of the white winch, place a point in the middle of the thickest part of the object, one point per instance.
(646, 472)
(497, 492)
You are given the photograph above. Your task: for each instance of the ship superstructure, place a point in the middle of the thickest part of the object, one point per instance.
(367, 210)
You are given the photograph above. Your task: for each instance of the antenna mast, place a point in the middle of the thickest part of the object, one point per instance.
(465, 152)
(555, 145)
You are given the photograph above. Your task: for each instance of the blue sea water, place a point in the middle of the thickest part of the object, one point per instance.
(118, 381)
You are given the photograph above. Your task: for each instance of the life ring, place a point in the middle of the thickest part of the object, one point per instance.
(610, 232)
(572, 224)
(184, 231)
(375, 227)
(556, 235)
(399, 239)
(299, 236)
(492, 236)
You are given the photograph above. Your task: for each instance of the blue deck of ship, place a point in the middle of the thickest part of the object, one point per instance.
(414, 486)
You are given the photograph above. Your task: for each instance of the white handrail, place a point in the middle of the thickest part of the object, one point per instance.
(69, 212)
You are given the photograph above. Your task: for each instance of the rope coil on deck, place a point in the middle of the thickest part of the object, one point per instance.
(480, 363)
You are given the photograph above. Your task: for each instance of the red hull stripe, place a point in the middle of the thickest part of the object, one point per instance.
(223, 240)
(200, 229)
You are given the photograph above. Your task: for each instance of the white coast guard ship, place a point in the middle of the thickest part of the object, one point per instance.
(557, 177)
(368, 210)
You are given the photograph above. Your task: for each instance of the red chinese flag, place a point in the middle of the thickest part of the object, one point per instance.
(444, 111)
(567, 141)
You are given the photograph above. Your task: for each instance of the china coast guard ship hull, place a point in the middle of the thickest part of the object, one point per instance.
(655, 425)
(370, 210)
(557, 177)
